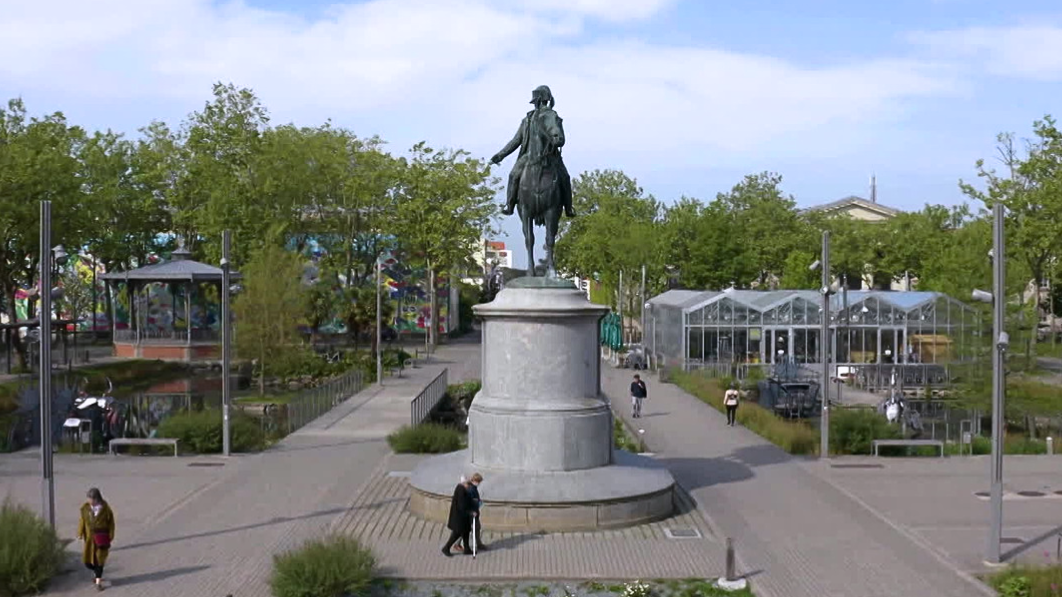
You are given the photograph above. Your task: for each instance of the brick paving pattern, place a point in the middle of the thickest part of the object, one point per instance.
(408, 547)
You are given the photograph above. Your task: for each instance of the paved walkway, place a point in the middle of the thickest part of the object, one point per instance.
(218, 535)
(407, 547)
(795, 533)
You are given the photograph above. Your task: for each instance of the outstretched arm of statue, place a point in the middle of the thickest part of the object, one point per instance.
(511, 146)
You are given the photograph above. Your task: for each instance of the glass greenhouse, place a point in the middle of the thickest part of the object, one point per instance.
(688, 328)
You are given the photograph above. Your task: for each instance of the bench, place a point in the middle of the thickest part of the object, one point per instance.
(137, 441)
(908, 442)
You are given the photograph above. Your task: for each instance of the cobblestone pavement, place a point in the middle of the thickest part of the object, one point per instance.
(408, 547)
(799, 534)
(219, 531)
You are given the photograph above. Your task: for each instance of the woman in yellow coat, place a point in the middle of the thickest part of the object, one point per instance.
(96, 529)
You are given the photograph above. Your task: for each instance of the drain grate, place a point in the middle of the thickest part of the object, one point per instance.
(206, 464)
(857, 466)
(682, 533)
(399, 474)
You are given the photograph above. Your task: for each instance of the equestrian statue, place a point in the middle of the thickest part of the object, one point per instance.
(539, 186)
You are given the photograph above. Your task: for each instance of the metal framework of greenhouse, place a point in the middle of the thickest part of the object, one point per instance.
(868, 329)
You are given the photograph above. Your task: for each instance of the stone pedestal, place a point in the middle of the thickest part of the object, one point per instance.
(540, 431)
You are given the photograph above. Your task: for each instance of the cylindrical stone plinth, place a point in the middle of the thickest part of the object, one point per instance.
(540, 408)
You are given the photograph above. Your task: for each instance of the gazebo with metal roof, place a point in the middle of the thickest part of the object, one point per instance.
(690, 328)
(182, 339)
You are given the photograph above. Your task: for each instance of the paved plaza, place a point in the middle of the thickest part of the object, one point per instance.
(209, 526)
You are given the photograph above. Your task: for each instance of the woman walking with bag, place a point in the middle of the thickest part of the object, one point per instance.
(96, 529)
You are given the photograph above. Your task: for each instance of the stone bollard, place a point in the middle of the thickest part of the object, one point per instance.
(1050, 445)
(730, 567)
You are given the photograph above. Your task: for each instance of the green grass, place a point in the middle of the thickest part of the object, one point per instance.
(331, 567)
(428, 438)
(795, 437)
(623, 440)
(1028, 581)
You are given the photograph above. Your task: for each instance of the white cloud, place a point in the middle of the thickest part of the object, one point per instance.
(457, 72)
(1032, 51)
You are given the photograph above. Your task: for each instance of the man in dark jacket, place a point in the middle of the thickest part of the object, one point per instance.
(638, 393)
(460, 521)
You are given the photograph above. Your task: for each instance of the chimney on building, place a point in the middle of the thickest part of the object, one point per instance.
(873, 188)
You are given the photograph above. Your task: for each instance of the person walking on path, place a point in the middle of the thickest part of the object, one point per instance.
(96, 529)
(460, 521)
(730, 401)
(638, 393)
(473, 490)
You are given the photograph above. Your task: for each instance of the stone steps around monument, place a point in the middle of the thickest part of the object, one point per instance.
(381, 514)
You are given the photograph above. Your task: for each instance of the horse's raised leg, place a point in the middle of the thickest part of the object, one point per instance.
(529, 240)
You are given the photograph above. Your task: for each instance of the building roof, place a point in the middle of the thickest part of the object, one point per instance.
(497, 245)
(765, 300)
(179, 267)
(854, 201)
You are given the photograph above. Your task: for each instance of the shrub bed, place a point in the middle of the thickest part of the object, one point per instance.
(336, 566)
(623, 440)
(30, 552)
(201, 431)
(795, 437)
(428, 438)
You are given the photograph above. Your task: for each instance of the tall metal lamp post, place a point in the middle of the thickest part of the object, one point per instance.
(1001, 342)
(50, 258)
(824, 344)
(379, 321)
(226, 341)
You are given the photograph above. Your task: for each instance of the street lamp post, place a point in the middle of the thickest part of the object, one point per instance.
(1001, 342)
(824, 344)
(226, 341)
(379, 333)
(49, 258)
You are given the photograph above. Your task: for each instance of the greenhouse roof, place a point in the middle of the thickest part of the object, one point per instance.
(764, 300)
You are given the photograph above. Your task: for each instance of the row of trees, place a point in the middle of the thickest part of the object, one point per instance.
(754, 235)
(227, 167)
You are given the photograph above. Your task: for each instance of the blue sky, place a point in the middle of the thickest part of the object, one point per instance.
(687, 96)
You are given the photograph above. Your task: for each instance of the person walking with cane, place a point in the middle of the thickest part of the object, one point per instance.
(730, 401)
(460, 521)
(638, 393)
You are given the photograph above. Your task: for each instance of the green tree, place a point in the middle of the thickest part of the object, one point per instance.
(270, 308)
(37, 162)
(616, 231)
(444, 207)
(1031, 189)
(765, 221)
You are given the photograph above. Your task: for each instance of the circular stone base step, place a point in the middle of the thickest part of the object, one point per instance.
(634, 490)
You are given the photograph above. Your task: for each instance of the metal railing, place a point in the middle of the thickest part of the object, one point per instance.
(160, 335)
(314, 402)
(428, 398)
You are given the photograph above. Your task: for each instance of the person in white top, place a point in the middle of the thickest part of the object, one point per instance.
(730, 401)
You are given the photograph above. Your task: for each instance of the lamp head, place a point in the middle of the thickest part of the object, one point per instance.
(59, 255)
(982, 296)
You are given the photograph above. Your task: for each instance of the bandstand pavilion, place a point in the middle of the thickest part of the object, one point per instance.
(157, 330)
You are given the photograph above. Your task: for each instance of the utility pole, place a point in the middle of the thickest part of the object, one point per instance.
(379, 333)
(226, 341)
(44, 375)
(824, 349)
(619, 307)
(642, 295)
(1001, 341)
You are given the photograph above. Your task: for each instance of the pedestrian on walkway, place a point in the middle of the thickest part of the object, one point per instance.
(730, 401)
(638, 393)
(473, 490)
(96, 529)
(460, 521)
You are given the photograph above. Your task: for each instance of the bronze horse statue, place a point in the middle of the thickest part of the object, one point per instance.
(539, 185)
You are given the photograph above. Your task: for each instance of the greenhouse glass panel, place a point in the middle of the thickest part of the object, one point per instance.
(695, 344)
(696, 317)
(741, 314)
(711, 314)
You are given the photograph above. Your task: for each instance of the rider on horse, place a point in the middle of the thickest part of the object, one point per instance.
(542, 98)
